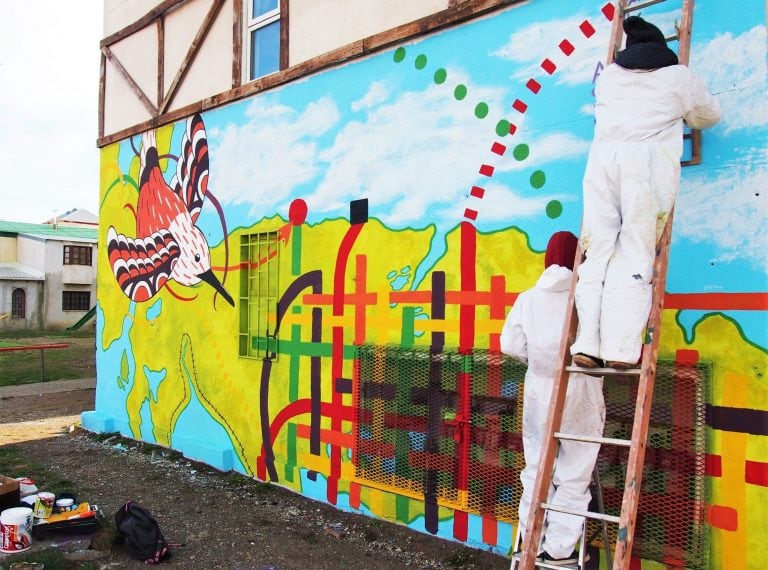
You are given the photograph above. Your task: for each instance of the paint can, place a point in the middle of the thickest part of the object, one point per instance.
(64, 505)
(15, 529)
(44, 505)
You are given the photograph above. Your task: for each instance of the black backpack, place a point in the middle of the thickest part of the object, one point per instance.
(141, 534)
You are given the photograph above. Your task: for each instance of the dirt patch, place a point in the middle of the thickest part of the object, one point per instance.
(223, 520)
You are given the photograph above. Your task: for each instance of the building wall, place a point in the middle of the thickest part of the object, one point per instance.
(7, 249)
(60, 278)
(413, 193)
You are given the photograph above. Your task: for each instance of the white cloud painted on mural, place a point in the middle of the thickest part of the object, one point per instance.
(551, 147)
(500, 203)
(276, 150)
(726, 211)
(735, 70)
(377, 94)
(426, 138)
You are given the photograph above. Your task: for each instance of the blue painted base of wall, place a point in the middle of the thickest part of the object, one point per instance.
(97, 422)
(198, 450)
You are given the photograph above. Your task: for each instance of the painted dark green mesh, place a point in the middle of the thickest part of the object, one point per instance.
(447, 426)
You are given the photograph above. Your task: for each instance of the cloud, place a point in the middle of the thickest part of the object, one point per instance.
(729, 211)
(502, 203)
(265, 158)
(377, 94)
(422, 149)
(551, 147)
(734, 69)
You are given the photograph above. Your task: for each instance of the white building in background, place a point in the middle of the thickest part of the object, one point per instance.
(48, 272)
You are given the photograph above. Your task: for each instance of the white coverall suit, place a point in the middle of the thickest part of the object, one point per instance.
(630, 184)
(532, 334)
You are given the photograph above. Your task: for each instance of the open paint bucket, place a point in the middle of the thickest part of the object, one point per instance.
(15, 529)
(44, 505)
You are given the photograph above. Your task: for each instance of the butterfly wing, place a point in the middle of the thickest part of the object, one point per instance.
(142, 265)
(191, 179)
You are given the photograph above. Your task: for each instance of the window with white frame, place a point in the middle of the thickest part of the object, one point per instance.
(263, 40)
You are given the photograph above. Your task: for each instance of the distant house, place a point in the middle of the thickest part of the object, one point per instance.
(47, 272)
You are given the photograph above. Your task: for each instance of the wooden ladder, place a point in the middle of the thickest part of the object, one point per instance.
(645, 374)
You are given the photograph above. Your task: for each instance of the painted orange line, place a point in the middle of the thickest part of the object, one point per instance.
(346, 440)
(717, 301)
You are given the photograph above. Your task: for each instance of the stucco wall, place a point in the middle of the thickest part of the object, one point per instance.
(7, 249)
(412, 194)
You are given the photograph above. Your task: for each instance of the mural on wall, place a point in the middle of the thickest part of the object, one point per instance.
(385, 215)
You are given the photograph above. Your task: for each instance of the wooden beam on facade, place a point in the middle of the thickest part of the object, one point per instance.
(102, 87)
(191, 53)
(456, 13)
(284, 25)
(237, 43)
(127, 76)
(141, 23)
(160, 59)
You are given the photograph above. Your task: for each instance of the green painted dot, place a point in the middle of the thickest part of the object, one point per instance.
(521, 152)
(421, 61)
(538, 178)
(399, 55)
(460, 92)
(502, 128)
(481, 110)
(440, 76)
(554, 209)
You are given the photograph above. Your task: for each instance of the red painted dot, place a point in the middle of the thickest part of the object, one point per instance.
(512, 129)
(498, 148)
(608, 11)
(713, 465)
(297, 212)
(587, 29)
(566, 47)
(470, 214)
(518, 105)
(686, 357)
(486, 170)
(477, 192)
(548, 66)
(533, 85)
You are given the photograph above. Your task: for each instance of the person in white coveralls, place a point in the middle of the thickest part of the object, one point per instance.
(531, 334)
(630, 184)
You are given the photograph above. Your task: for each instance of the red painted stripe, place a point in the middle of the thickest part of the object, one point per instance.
(566, 47)
(460, 525)
(486, 170)
(713, 465)
(756, 473)
(468, 262)
(533, 85)
(477, 192)
(587, 29)
(548, 66)
(340, 270)
(634, 563)
(490, 530)
(717, 301)
(354, 495)
(470, 214)
(498, 148)
(686, 357)
(726, 518)
(520, 106)
(608, 11)
(361, 278)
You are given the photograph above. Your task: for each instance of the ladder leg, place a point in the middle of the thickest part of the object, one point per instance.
(604, 524)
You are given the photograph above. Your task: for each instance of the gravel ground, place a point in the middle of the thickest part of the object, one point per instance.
(223, 520)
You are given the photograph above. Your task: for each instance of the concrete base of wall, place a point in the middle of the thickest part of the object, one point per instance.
(198, 450)
(102, 423)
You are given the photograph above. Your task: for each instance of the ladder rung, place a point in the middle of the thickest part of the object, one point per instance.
(640, 6)
(541, 564)
(579, 513)
(604, 371)
(594, 439)
(672, 38)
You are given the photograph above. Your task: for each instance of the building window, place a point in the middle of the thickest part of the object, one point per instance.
(19, 304)
(75, 300)
(77, 255)
(264, 38)
(259, 262)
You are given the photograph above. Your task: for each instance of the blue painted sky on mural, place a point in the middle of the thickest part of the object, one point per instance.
(394, 135)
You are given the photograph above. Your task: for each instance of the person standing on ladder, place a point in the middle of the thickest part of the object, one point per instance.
(630, 184)
(531, 334)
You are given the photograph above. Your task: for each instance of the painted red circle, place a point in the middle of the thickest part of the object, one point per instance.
(297, 212)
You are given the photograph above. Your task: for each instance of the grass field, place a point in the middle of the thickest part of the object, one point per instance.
(78, 360)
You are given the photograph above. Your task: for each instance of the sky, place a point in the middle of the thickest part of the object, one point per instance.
(49, 86)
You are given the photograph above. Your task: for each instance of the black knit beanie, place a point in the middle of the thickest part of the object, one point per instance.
(646, 47)
(641, 32)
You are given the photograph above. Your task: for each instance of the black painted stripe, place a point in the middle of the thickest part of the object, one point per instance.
(742, 420)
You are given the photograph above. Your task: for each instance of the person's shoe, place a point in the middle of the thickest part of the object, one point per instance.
(572, 559)
(586, 361)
